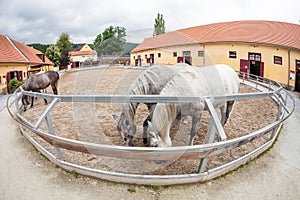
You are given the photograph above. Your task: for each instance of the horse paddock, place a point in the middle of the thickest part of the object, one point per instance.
(91, 122)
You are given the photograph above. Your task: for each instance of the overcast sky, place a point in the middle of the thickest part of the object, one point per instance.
(39, 21)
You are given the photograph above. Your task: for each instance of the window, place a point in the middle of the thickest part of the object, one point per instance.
(255, 56)
(232, 54)
(174, 54)
(278, 60)
(200, 53)
(186, 53)
(159, 55)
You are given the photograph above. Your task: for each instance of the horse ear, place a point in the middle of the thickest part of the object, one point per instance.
(116, 117)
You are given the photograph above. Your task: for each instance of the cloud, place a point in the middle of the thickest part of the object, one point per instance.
(34, 21)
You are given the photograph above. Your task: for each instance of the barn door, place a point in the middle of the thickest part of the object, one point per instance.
(244, 67)
(297, 80)
(179, 59)
(151, 59)
(20, 76)
(261, 70)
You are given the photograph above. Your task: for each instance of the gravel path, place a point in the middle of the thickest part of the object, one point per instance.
(3, 99)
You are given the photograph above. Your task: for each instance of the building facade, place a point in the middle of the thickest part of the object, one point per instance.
(84, 55)
(19, 61)
(264, 48)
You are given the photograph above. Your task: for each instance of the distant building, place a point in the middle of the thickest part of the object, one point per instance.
(19, 61)
(265, 48)
(84, 55)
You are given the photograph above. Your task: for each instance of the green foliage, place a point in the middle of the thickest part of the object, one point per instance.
(64, 45)
(159, 25)
(132, 189)
(53, 53)
(111, 41)
(153, 187)
(41, 47)
(14, 83)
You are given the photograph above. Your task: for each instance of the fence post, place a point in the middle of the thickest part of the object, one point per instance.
(51, 131)
(210, 137)
(215, 126)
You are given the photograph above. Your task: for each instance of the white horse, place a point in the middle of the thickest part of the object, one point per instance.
(151, 82)
(193, 81)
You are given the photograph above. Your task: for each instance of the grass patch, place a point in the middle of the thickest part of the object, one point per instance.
(73, 173)
(152, 187)
(132, 189)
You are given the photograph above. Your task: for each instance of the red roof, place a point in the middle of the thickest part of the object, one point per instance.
(12, 51)
(82, 53)
(254, 31)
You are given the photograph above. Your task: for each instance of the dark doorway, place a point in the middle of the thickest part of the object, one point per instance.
(151, 59)
(255, 68)
(187, 58)
(255, 65)
(138, 61)
(297, 80)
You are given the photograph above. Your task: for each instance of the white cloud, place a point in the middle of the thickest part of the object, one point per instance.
(37, 21)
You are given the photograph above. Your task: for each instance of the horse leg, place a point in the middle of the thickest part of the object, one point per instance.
(32, 99)
(195, 119)
(229, 107)
(145, 128)
(223, 114)
(54, 88)
(45, 100)
(24, 102)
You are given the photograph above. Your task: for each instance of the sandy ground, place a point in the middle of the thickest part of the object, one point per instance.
(26, 175)
(94, 123)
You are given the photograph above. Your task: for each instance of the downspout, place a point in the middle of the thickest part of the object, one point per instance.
(204, 55)
(289, 66)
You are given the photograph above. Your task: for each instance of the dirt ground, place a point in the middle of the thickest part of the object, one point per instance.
(93, 122)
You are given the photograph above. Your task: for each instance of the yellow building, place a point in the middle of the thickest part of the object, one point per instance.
(265, 48)
(84, 54)
(18, 61)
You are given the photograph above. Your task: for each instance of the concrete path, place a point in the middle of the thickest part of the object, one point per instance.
(25, 174)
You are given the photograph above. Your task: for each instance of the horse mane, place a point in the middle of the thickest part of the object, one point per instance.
(151, 81)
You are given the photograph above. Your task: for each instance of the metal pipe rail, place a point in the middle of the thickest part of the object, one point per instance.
(283, 99)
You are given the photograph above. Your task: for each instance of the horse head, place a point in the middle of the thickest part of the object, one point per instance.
(126, 128)
(154, 137)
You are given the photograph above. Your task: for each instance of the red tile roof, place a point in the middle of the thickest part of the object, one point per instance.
(254, 31)
(82, 53)
(12, 51)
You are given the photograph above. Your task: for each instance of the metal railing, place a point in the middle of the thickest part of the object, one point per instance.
(203, 152)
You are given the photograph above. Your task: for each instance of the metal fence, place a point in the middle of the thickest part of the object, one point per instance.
(202, 152)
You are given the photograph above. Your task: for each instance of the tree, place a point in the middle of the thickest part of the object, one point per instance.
(41, 47)
(111, 41)
(53, 53)
(64, 45)
(159, 25)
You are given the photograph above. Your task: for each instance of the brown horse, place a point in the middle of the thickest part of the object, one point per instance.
(37, 82)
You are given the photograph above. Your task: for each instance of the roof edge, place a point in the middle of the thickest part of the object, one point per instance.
(18, 50)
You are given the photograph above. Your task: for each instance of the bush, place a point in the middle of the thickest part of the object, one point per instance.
(14, 83)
